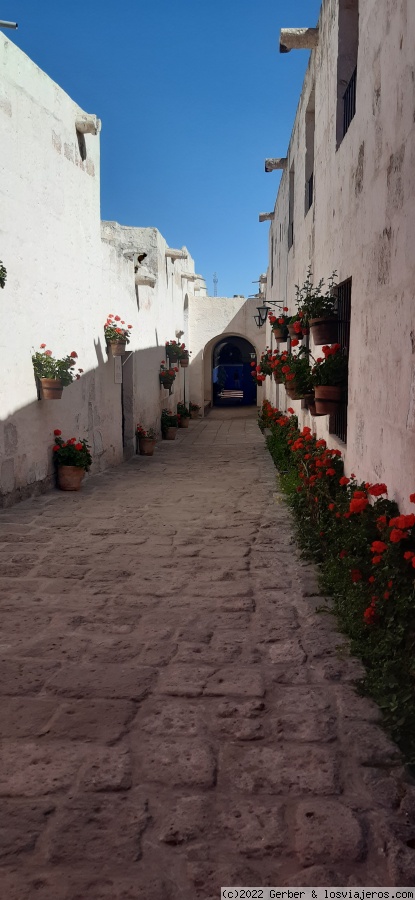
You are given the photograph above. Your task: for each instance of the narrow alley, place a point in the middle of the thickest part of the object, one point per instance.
(176, 716)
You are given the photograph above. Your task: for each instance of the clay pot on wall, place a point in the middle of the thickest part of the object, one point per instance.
(194, 414)
(293, 392)
(324, 330)
(295, 333)
(280, 334)
(328, 399)
(118, 348)
(51, 388)
(277, 378)
(184, 362)
(184, 422)
(146, 446)
(70, 478)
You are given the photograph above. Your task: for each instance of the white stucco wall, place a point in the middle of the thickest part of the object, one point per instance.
(361, 224)
(62, 282)
(210, 318)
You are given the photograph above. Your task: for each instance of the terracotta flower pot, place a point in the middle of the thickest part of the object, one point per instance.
(324, 330)
(51, 388)
(184, 362)
(70, 478)
(146, 446)
(293, 391)
(169, 434)
(328, 399)
(173, 357)
(312, 410)
(184, 422)
(280, 334)
(277, 378)
(118, 348)
(166, 382)
(194, 414)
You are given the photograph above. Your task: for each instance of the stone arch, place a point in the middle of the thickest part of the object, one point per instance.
(208, 361)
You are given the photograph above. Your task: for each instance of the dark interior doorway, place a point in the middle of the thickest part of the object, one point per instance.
(232, 380)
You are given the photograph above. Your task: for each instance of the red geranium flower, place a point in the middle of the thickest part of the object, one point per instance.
(344, 480)
(290, 410)
(377, 489)
(48, 352)
(117, 319)
(78, 447)
(74, 354)
(376, 560)
(56, 447)
(397, 535)
(409, 554)
(356, 575)
(378, 547)
(42, 347)
(294, 342)
(57, 432)
(358, 505)
(330, 471)
(412, 498)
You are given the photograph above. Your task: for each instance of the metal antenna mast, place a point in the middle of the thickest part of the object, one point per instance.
(215, 284)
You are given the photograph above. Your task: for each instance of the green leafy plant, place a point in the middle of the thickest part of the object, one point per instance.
(114, 332)
(183, 411)
(194, 407)
(296, 371)
(3, 275)
(312, 301)
(167, 375)
(169, 419)
(176, 351)
(365, 551)
(46, 366)
(330, 369)
(71, 452)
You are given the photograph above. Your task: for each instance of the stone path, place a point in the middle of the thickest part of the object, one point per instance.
(175, 715)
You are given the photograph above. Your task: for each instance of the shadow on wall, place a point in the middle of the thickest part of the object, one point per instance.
(98, 407)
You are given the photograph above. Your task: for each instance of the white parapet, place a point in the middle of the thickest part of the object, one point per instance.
(176, 254)
(266, 217)
(298, 39)
(277, 163)
(86, 124)
(189, 276)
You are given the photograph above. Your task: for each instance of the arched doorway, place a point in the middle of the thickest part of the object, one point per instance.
(232, 382)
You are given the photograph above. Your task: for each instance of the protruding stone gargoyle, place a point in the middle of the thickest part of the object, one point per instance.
(275, 163)
(86, 124)
(176, 254)
(266, 217)
(298, 39)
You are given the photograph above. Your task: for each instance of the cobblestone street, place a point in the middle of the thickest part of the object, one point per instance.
(176, 716)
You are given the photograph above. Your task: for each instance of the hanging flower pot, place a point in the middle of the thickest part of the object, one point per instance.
(293, 391)
(184, 362)
(280, 333)
(324, 330)
(70, 478)
(51, 388)
(277, 378)
(294, 331)
(117, 348)
(312, 409)
(329, 399)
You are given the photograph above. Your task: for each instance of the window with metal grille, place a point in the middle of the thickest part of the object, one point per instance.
(347, 54)
(338, 422)
(310, 127)
(349, 102)
(291, 209)
(310, 192)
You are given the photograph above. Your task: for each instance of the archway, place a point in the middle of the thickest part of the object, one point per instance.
(232, 382)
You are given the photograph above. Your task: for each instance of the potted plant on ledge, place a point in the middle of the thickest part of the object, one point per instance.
(116, 336)
(169, 425)
(185, 357)
(72, 459)
(297, 374)
(145, 440)
(183, 415)
(329, 376)
(173, 351)
(54, 374)
(279, 325)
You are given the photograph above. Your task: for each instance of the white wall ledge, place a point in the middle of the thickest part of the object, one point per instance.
(86, 124)
(176, 254)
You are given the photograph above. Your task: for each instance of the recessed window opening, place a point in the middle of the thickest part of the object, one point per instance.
(272, 260)
(348, 46)
(310, 126)
(291, 209)
(338, 422)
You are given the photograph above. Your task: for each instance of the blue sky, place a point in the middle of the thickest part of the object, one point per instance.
(193, 95)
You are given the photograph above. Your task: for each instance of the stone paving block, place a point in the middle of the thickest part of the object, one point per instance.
(110, 769)
(127, 681)
(326, 831)
(169, 717)
(32, 768)
(209, 654)
(304, 713)
(22, 823)
(176, 761)
(370, 745)
(253, 828)
(25, 716)
(314, 876)
(286, 651)
(183, 680)
(71, 885)
(24, 677)
(101, 830)
(186, 821)
(279, 769)
(56, 647)
(99, 721)
(238, 681)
